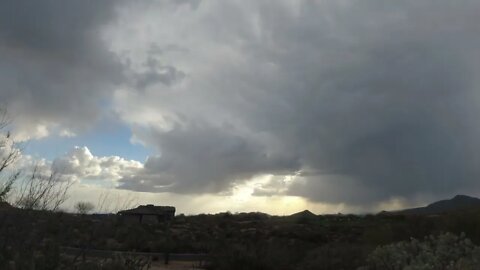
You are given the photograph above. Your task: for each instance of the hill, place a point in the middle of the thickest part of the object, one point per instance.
(457, 203)
(303, 214)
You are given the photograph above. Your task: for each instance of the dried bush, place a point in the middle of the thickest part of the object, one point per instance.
(443, 252)
(84, 207)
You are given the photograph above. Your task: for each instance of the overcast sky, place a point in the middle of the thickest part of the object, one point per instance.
(271, 106)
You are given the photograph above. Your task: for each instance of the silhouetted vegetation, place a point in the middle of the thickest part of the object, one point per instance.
(232, 241)
(84, 207)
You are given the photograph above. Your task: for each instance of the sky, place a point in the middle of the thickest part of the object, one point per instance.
(244, 105)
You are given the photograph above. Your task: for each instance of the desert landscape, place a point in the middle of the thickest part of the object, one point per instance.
(56, 240)
(239, 135)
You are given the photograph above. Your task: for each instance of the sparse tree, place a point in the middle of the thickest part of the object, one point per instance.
(9, 153)
(84, 208)
(43, 191)
(39, 191)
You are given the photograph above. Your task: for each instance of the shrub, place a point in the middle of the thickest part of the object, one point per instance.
(446, 251)
(84, 208)
(333, 256)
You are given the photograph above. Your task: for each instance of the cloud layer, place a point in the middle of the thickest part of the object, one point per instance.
(56, 68)
(353, 102)
(362, 101)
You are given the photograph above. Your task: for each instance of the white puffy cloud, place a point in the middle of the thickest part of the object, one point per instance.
(81, 164)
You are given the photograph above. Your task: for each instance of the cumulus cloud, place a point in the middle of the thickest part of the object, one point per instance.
(80, 163)
(362, 100)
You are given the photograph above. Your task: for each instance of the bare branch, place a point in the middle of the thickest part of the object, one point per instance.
(4, 118)
(7, 186)
(104, 202)
(43, 192)
(125, 202)
(9, 153)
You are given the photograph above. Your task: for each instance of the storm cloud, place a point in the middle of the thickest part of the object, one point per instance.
(361, 100)
(354, 102)
(204, 159)
(55, 67)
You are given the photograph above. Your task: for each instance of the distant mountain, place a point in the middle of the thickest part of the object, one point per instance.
(303, 214)
(459, 202)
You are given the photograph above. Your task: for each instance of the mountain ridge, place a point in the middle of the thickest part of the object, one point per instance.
(457, 203)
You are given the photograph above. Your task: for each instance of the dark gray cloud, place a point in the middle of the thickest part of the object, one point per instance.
(203, 159)
(390, 111)
(366, 100)
(157, 73)
(394, 114)
(56, 68)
